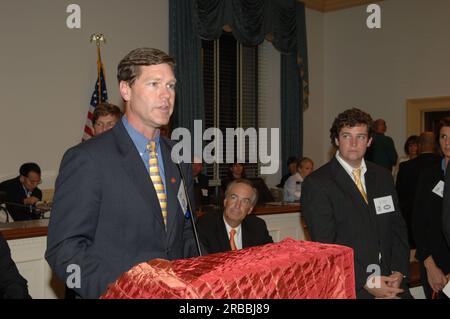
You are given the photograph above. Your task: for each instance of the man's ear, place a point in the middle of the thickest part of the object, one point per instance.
(369, 142)
(336, 142)
(125, 90)
(22, 179)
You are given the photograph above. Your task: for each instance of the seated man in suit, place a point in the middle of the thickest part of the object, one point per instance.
(235, 228)
(352, 202)
(22, 192)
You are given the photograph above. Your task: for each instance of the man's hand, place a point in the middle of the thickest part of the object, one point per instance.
(384, 286)
(399, 278)
(436, 278)
(30, 200)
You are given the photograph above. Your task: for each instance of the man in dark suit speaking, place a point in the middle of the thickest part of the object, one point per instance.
(235, 228)
(351, 202)
(118, 195)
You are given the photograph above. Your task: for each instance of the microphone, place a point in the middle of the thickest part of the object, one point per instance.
(191, 212)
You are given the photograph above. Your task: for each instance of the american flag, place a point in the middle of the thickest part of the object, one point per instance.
(95, 100)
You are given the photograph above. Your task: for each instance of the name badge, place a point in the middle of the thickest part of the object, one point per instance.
(439, 189)
(446, 289)
(384, 204)
(182, 198)
(204, 192)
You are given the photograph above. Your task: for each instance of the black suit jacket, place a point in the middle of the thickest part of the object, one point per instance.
(214, 238)
(427, 219)
(406, 184)
(106, 216)
(335, 212)
(12, 284)
(16, 194)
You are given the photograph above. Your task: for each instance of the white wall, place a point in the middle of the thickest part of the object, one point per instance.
(377, 70)
(315, 124)
(48, 71)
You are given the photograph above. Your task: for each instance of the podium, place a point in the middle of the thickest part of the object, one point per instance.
(290, 269)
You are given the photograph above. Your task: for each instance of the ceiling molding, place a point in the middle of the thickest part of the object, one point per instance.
(334, 5)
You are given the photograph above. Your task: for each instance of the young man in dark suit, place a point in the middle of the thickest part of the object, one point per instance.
(235, 228)
(23, 193)
(118, 197)
(351, 202)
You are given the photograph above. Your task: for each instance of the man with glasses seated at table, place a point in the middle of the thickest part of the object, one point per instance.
(236, 228)
(22, 193)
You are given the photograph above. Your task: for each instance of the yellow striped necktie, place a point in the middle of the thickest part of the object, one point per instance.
(357, 175)
(156, 179)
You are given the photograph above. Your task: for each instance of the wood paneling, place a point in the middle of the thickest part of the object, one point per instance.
(334, 5)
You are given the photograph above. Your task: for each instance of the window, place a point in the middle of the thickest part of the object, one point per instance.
(230, 76)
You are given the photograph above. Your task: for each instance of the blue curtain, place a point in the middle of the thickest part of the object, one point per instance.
(185, 47)
(251, 21)
(291, 113)
(294, 93)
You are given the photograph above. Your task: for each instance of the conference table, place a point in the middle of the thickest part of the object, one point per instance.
(28, 241)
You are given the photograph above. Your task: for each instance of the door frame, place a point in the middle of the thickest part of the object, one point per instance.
(415, 109)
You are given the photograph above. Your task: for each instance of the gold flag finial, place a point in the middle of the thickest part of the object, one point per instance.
(98, 39)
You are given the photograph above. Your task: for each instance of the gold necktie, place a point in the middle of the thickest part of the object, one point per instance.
(156, 179)
(357, 175)
(232, 243)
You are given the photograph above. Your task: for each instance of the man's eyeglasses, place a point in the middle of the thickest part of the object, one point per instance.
(34, 182)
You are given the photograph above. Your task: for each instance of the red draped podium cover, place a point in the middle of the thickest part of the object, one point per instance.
(288, 269)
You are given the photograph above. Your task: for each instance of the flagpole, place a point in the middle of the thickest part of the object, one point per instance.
(99, 39)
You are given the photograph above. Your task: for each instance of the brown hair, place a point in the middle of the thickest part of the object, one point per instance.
(442, 123)
(350, 118)
(304, 160)
(104, 109)
(129, 68)
(413, 139)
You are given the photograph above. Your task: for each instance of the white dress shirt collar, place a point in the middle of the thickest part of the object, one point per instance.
(349, 169)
